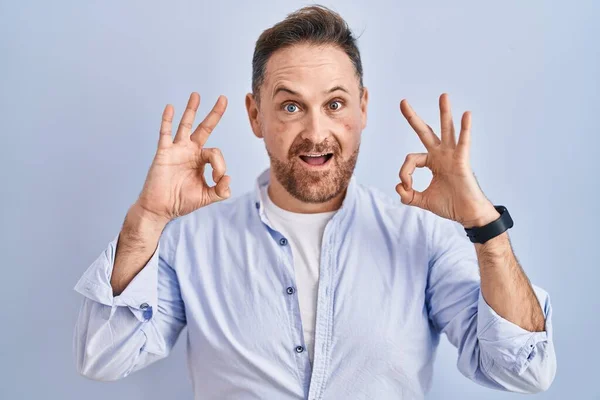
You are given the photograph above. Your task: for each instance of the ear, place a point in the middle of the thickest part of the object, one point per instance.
(364, 101)
(252, 109)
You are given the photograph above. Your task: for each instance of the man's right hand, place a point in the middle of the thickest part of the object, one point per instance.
(175, 184)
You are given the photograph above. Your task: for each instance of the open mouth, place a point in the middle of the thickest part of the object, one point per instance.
(316, 159)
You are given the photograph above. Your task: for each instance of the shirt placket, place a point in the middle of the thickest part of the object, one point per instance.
(289, 289)
(324, 313)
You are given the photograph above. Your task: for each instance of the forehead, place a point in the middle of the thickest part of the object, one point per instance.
(306, 65)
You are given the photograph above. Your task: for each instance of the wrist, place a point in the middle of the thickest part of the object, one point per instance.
(485, 217)
(141, 221)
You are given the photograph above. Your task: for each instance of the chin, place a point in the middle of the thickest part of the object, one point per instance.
(314, 181)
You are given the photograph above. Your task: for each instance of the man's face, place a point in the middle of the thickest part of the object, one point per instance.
(311, 116)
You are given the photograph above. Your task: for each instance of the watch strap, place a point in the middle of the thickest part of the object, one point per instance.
(484, 233)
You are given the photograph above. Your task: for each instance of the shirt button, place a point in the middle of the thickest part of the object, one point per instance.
(148, 313)
(299, 349)
(143, 306)
(290, 290)
(257, 205)
(283, 241)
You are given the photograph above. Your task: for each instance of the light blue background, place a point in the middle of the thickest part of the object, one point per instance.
(83, 85)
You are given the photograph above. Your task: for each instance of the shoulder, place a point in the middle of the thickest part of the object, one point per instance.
(409, 222)
(389, 212)
(209, 220)
(382, 203)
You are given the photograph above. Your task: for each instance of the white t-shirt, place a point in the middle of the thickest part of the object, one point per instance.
(304, 233)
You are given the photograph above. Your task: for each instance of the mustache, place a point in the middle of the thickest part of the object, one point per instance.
(308, 146)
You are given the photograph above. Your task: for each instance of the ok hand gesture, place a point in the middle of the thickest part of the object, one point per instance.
(175, 183)
(453, 192)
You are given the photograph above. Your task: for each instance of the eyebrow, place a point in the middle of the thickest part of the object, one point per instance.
(290, 91)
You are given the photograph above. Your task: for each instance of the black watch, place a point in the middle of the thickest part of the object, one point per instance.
(484, 233)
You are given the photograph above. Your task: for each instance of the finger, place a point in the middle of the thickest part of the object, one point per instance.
(187, 120)
(221, 190)
(165, 138)
(447, 126)
(214, 157)
(411, 162)
(426, 134)
(410, 197)
(464, 139)
(209, 123)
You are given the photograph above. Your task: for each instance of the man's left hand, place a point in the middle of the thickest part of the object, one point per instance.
(453, 192)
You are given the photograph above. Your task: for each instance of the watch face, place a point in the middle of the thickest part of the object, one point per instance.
(500, 209)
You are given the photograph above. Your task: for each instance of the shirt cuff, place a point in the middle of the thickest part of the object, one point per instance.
(140, 295)
(509, 345)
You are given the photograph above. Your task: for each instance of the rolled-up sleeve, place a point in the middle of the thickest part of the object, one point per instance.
(117, 335)
(520, 360)
(492, 351)
(139, 295)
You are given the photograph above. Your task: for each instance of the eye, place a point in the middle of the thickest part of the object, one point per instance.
(335, 105)
(291, 108)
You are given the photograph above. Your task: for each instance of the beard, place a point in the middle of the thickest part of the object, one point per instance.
(314, 186)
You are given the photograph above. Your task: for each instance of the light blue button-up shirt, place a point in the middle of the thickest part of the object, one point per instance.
(393, 278)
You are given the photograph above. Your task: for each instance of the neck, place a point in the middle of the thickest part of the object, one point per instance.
(282, 199)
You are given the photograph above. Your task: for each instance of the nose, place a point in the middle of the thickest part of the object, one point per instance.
(316, 127)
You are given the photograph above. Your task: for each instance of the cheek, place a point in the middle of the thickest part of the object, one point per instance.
(278, 138)
(350, 137)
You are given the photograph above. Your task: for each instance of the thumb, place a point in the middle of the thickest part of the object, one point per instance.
(410, 196)
(221, 190)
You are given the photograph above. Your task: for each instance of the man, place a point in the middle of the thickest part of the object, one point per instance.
(313, 286)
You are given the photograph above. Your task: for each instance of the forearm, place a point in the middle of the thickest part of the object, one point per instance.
(505, 287)
(137, 242)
